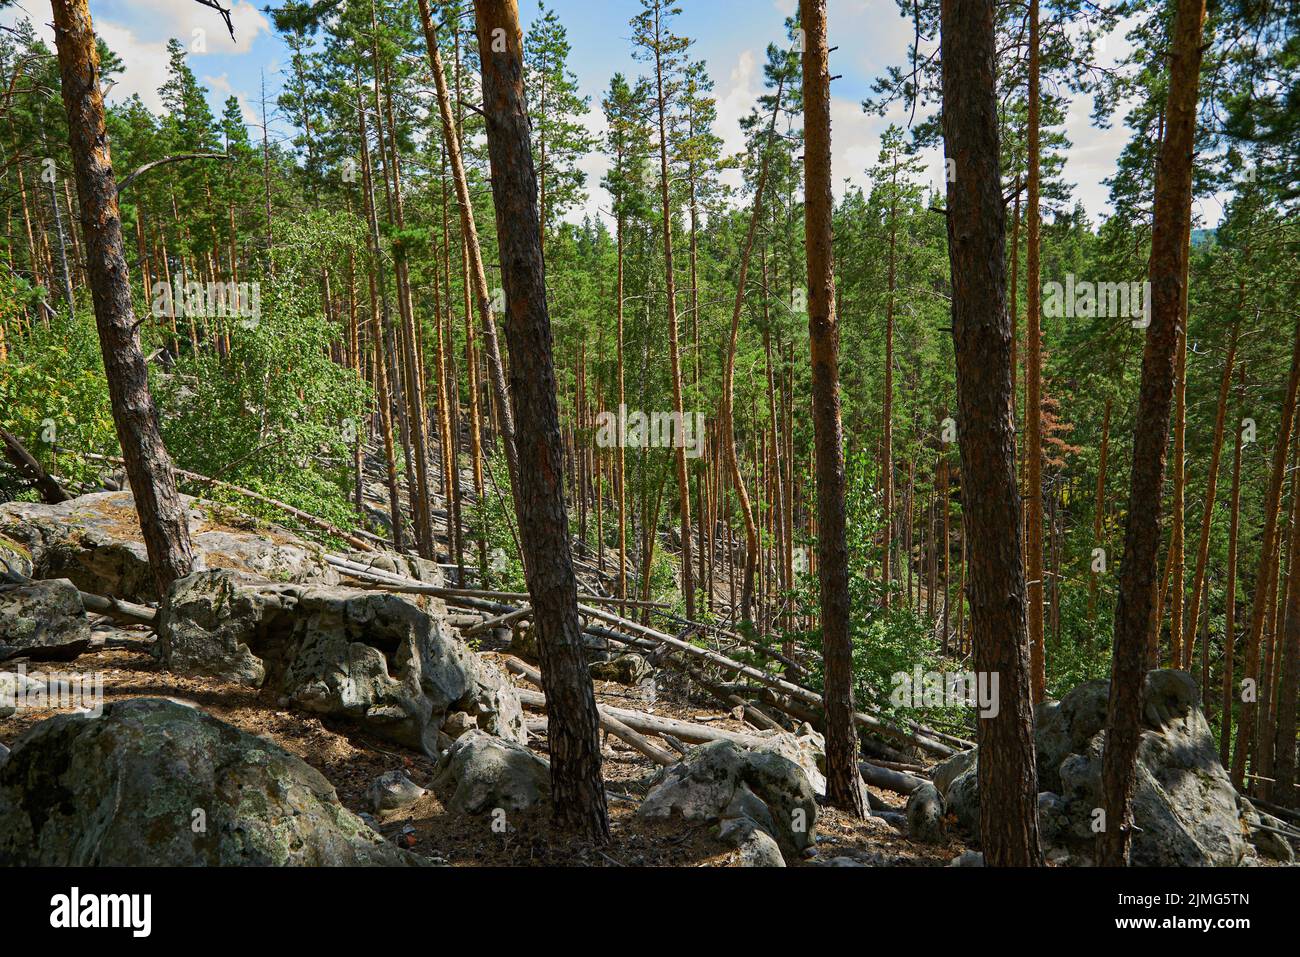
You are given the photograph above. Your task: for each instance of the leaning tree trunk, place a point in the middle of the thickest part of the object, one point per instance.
(573, 732)
(729, 373)
(478, 275)
(1008, 780)
(843, 785)
(1137, 586)
(148, 467)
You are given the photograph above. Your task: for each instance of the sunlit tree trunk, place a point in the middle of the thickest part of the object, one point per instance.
(163, 522)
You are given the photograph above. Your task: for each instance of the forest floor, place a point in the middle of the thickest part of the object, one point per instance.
(350, 760)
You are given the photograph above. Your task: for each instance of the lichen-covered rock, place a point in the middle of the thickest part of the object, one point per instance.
(523, 642)
(15, 558)
(1184, 803)
(963, 798)
(155, 783)
(391, 792)
(206, 622)
(806, 747)
(375, 659)
(43, 620)
(1053, 818)
(720, 781)
(481, 773)
(944, 774)
(625, 669)
(492, 703)
(925, 814)
(94, 541)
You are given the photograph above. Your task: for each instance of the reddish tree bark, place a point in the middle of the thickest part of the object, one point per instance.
(843, 784)
(1168, 271)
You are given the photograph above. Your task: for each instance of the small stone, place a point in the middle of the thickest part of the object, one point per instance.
(392, 792)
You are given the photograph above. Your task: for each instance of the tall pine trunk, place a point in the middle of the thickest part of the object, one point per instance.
(577, 790)
(843, 784)
(1008, 779)
(1168, 272)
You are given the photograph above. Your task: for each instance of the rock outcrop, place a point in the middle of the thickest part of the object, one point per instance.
(376, 659)
(722, 782)
(1184, 802)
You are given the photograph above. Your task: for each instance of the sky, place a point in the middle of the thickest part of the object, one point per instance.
(731, 36)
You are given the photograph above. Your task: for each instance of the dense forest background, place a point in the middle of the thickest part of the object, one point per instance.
(352, 379)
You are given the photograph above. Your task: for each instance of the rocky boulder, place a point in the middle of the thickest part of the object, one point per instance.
(15, 558)
(720, 782)
(375, 659)
(925, 814)
(481, 773)
(153, 782)
(43, 620)
(392, 792)
(1184, 801)
(95, 542)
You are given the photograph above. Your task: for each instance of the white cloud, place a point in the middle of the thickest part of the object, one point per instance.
(222, 88)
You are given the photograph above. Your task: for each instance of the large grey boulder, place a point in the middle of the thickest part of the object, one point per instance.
(481, 773)
(43, 620)
(1184, 803)
(94, 541)
(208, 620)
(156, 783)
(376, 659)
(720, 781)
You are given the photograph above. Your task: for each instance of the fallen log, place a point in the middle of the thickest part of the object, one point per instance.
(118, 610)
(922, 740)
(501, 621)
(410, 585)
(51, 492)
(900, 782)
(607, 721)
(654, 724)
